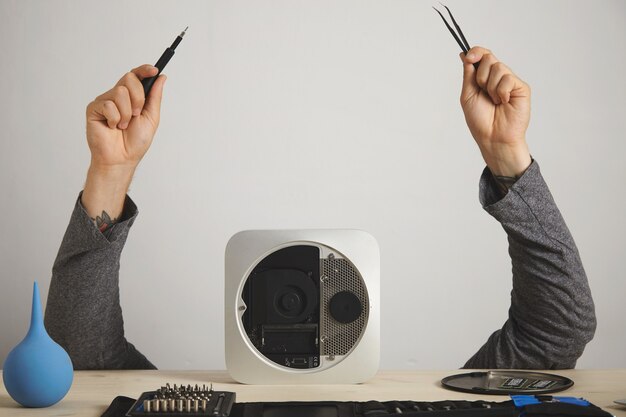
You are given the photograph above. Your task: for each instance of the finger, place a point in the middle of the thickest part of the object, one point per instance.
(152, 109)
(121, 97)
(505, 87)
(145, 71)
(469, 88)
(484, 68)
(135, 90)
(513, 88)
(498, 70)
(475, 54)
(104, 110)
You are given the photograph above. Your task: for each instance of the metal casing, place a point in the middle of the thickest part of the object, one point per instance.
(244, 362)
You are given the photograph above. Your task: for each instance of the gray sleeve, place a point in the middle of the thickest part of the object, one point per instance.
(83, 312)
(552, 316)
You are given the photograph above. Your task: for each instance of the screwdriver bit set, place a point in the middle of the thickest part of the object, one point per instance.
(183, 400)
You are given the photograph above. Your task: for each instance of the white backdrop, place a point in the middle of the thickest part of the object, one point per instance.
(318, 114)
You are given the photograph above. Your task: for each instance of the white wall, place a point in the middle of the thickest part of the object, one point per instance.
(291, 114)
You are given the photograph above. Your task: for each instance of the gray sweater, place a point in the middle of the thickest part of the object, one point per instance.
(551, 317)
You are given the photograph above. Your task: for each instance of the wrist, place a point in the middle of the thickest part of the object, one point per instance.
(111, 173)
(507, 160)
(105, 189)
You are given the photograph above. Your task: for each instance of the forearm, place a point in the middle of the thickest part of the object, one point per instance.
(551, 317)
(105, 192)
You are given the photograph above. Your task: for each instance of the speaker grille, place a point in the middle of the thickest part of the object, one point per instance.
(339, 275)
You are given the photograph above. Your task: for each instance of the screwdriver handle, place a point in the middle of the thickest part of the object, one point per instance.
(161, 63)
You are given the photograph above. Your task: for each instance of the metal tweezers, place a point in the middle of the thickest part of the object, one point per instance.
(460, 38)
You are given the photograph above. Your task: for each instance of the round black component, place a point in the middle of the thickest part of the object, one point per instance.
(291, 296)
(345, 307)
(291, 301)
(507, 382)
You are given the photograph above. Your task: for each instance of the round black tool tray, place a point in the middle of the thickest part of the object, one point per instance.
(507, 382)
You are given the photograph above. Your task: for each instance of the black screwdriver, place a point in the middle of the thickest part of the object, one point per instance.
(162, 62)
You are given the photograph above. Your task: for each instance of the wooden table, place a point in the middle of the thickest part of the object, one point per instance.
(93, 391)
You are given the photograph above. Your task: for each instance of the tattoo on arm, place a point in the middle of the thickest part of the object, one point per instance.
(104, 221)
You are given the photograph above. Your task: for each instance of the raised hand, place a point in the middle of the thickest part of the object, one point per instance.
(496, 104)
(121, 124)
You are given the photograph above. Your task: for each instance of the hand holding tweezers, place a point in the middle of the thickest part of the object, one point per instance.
(460, 38)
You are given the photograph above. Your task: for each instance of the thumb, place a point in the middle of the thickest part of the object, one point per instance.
(470, 87)
(152, 108)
